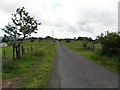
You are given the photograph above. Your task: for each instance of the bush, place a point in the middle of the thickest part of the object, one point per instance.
(85, 43)
(110, 43)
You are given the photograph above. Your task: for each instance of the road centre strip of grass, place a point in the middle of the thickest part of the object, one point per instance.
(110, 63)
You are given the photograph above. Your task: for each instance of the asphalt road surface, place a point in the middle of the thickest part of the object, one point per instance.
(71, 70)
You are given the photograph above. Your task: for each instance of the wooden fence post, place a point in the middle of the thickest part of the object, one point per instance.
(19, 51)
(27, 50)
(31, 48)
(22, 50)
(13, 51)
(93, 46)
(16, 52)
(4, 55)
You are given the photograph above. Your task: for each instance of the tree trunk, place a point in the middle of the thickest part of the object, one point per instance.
(18, 51)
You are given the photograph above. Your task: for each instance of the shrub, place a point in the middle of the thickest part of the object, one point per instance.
(85, 43)
(110, 43)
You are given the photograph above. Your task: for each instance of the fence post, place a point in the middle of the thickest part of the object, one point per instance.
(4, 56)
(13, 51)
(16, 52)
(22, 50)
(31, 48)
(19, 51)
(93, 46)
(27, 50)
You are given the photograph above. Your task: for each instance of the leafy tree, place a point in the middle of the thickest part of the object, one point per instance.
(110, 43)
(5, 38)
(24, 23)
(48, 38)
(90, 39)
(80, 38)
(85, 43)
(23, 26)
(11, 31)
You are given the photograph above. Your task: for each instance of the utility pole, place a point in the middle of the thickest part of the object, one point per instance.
(52, 34)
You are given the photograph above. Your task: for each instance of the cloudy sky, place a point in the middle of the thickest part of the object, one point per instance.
(66, 18)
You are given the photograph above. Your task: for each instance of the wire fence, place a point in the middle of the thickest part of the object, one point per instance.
(23, 51)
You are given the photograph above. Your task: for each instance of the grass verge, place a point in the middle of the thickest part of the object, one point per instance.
(39, 78)
(110, 63)
(33, 68)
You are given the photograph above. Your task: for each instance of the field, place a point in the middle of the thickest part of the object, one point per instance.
(34, 67)
(110, 63)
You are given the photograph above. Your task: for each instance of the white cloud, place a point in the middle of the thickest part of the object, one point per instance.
(68, 18)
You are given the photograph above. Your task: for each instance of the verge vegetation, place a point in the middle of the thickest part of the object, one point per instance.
(32, 69)
(99, 54)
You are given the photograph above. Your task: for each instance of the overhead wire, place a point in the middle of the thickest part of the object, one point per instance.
(48, 18)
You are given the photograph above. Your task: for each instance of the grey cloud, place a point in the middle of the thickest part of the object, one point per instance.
(97, 18)
(107, 18)
(9, 7)
(83, 20)
(85, 28)
(65, 26)
(71, 28)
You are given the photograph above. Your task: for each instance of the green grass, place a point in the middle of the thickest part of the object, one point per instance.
(110, 63)
(26, 44)
(39, 78)
(8, 51)
(42, 57)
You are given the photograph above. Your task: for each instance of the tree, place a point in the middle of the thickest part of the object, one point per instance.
(11, 31)
(85, 42)
(80, 38)
(48, 38)
(110, 43)
(23, 25)
(5, 38)
(90, 39)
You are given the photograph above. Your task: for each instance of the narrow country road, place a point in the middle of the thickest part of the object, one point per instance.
(71, 70)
